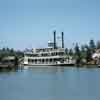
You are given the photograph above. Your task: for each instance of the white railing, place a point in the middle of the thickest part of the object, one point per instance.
(45, 57)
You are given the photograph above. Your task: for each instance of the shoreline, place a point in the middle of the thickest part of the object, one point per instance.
(16, 67)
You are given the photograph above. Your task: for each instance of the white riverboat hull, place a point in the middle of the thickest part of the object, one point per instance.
(98, 65)
(60, 64)
(47, 57)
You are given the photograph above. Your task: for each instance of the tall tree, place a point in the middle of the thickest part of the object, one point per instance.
(88, 53)
(7, 49)
(83, 52)
(77, 50)
(66, 50)
(77, 54)
(3, 49)
(12, 50)
(82, 48)
(98, 45)
(70, 52)
(92, 46)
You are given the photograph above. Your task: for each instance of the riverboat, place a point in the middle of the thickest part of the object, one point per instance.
(51, 56)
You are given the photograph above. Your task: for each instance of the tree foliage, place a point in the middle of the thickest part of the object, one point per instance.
(77, 50)
(4, 52)
(92, 46)
(66, 50)
(71, 52)
(98, 45)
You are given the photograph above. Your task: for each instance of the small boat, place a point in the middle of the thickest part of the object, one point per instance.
(98, 65)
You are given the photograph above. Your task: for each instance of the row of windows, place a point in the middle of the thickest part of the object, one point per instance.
(47, 50)
(46, 54)
(43, 60)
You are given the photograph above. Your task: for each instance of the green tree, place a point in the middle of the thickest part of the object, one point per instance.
(66, 50)
(12, 50)
(98, 45)
(71, 52)
(82, 48)
(3, 49)
(92, 46)
(77, 50)
(77, 54)
(7, 49)
(88, 53)
(83, 52)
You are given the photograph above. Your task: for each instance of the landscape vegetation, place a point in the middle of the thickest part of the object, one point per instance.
(82, 54)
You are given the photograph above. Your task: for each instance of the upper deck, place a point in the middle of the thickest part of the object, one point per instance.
(44, 50)
(48, 50)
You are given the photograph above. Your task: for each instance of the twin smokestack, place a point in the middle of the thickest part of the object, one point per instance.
(62, 37)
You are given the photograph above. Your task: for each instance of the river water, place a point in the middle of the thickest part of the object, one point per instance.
(55, 83)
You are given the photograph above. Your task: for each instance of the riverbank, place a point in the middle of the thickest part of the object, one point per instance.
(6, 68)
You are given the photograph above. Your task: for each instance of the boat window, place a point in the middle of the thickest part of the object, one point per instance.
(50, 60)
(42, 60)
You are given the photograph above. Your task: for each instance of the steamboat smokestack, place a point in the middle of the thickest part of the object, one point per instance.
(54, 39)
(62, 39)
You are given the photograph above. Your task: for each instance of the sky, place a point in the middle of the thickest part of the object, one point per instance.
(30, 23)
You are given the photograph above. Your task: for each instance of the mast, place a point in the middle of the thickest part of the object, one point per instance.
(55, 40)
(62, 34)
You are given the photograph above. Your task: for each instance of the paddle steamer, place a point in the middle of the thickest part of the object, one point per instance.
(51, 56)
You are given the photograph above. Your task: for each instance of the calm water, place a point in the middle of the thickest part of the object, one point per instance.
(51, 84)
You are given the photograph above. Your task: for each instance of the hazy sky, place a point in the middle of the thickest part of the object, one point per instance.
(30, 23)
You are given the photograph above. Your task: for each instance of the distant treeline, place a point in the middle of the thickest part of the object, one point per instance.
(83, 53)
(4, 52)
